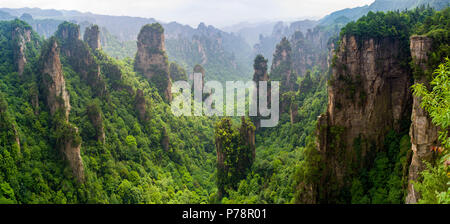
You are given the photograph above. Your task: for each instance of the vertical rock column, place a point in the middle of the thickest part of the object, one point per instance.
(21, 36)
(151, 59)
(368, 95)
(423, 133)
(92, 37)
(57, 99)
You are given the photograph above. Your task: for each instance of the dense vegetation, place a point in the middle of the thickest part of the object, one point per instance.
(130, 167)
(435, 186)
(168, 159)
(386, 180)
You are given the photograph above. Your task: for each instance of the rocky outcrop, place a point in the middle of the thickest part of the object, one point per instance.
(95, 116)
(69, 144)
(92, 37)
(423, 133)
(151, 59)
(309, 50)
(368, 95)
(281, 70)
(21, 36)
(54, 85)
(260, 74)
(235, 152)
(57, 99)
(80, 57)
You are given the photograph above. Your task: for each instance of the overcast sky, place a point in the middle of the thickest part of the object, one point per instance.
(213, 12)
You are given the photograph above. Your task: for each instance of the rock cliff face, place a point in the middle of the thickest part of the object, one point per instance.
(92, 37)
(57, 98)
(282, 70)
(423, 133)
(69, 145)
(80, 57)
(21, 36)
(309, 50)
(151, 59)
(56, 95)
(368, 95)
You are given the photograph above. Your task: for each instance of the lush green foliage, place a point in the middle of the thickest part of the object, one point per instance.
(435, 186)
(281, 152)
(130, 167)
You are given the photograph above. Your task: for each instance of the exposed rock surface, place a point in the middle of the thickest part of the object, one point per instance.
(70, 146)
(368, 96)
(151, 59)
(21, 36)
(423, 133)
(57, 98)
(92, 37)
(80, 57)
(55, 93)
(282, 70)
(309, 50)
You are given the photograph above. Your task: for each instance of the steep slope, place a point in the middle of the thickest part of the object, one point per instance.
(368, 96)
(71, 145)
(362, 140)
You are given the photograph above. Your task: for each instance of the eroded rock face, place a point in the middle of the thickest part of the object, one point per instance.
(423, 133)
(21, 36)
(368, 96)
(92, 37)
(309, 50)
(151, 59)
(70, 146)
(79, 57)
(56, 95)
(57, 98)
(282, 71)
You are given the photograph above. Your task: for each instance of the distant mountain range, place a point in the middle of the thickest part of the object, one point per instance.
(206, 45)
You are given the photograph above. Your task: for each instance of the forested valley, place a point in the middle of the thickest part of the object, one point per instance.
(85, 110)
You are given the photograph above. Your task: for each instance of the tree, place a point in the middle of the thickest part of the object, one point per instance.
(435, 187)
